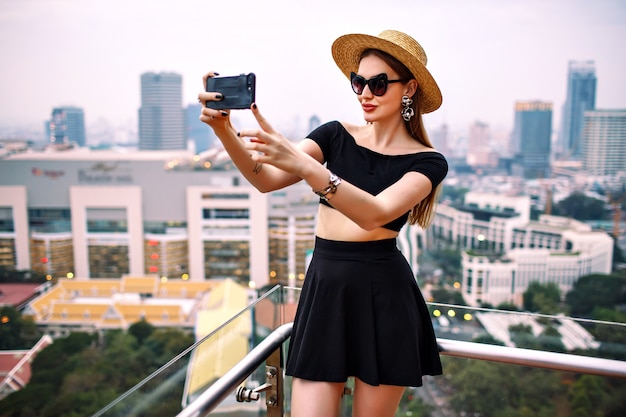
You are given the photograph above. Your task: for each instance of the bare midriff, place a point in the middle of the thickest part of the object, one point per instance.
(334, 225)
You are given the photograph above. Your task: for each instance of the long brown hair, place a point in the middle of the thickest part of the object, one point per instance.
(423, 212)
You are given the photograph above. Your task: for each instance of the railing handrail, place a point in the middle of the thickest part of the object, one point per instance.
(220, 389)
(535, 358)
(216, 393)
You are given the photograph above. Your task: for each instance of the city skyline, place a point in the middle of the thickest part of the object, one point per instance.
(485, 55)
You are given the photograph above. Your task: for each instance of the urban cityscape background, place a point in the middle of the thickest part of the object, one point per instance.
(144, 218)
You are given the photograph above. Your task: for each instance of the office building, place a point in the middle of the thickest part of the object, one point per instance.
(531, 139)
(66, 126)
(105, 214)
(581, 97)
(161, 116)
(604, 142)
(504, 251)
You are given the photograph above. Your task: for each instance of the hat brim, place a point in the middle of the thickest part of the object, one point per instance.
(347, 50)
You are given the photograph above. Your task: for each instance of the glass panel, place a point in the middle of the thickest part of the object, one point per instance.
(553, 333)
(468, 387)
(188, 375)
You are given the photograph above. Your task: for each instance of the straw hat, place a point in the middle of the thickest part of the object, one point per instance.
(347, 50)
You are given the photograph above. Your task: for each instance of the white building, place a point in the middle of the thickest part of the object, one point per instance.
(105, 214)
(504, 251)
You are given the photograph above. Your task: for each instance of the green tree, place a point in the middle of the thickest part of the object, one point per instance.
(542, 298)
(454, 195)
(497, 390)
(581, 207)
(141, 330)
(587, 396)
(16, 332)
(597, 290)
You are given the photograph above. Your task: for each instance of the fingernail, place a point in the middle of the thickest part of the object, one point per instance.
(224, 113)
(219, 96)
(254, 106)
(216, 73)
(238, 133)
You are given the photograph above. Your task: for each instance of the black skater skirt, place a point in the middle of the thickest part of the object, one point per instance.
(362, 314)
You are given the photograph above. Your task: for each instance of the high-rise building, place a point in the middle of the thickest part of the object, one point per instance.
(479, 152)
(198, 132)
(66, 126)
(161, 116)
(604, 142)
(531, 139)
(581, 96)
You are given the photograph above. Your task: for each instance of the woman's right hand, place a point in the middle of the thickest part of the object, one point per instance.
(217, 119)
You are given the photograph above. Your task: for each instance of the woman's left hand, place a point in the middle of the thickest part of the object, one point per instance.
(270, 147)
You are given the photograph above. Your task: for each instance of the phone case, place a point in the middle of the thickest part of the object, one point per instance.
(238, 91)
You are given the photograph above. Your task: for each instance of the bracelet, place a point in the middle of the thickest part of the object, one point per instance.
(328, 192)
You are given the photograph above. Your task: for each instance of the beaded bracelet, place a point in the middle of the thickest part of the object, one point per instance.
(328, 192)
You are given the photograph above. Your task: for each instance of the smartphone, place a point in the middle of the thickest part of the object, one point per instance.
(238, 91)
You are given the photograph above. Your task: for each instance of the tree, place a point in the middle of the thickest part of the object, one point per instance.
(79, 375)
(16, 332)
(141, 330)
(581, 207)
(542, 298)
(597, 290)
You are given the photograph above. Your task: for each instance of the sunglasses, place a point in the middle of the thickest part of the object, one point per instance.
(378, 84)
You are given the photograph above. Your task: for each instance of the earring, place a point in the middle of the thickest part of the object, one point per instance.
(407, 110)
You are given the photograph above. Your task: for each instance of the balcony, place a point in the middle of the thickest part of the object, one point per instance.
(562, 369)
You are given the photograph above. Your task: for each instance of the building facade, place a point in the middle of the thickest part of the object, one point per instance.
(531, 139)
(66, 126)
(504, 251)
(604, 142)
(104, 214)
(479, 151)
(161, 116)
(581, 97)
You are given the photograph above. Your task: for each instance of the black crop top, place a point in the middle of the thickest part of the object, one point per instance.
(372, 171)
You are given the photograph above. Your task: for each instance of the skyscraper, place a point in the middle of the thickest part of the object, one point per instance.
(161, 116)
(479, 152)
(531, 139)
(604, 142)
(198, 132)
(581, 96)
(66, 125)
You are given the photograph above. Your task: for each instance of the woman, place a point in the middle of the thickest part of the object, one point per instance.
(360, 313)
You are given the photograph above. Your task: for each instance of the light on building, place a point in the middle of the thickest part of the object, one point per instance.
(252, 285)
(163, 279)
(185, 277)
(4, 319)
(436, 313)
(49, 277)
(44, 260)
(451, 313)
(457, 285)
(467, 316)
(480, 237)
(272, 274)
(70, 275)
(154, 256)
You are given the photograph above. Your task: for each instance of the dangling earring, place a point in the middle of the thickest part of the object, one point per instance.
(407, 110)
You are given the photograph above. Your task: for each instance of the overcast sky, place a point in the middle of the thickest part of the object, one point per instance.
(485, 54)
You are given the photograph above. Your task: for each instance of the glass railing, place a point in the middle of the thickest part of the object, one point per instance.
(167, 391)
(496, 363)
